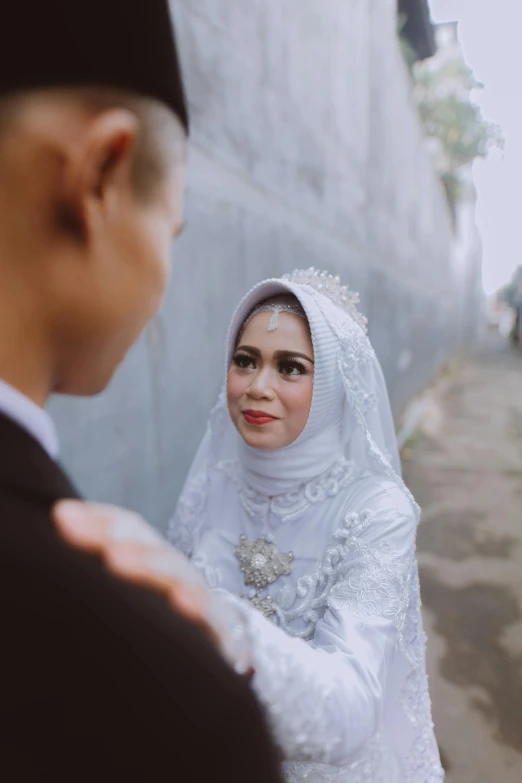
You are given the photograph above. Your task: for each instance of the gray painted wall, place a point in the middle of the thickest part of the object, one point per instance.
(306, 150)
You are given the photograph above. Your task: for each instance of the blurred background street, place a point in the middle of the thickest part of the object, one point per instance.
(465, 468)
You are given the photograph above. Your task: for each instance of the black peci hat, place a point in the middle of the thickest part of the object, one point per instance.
(126, 44)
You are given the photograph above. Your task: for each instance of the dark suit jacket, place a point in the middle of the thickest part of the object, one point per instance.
(100, 680)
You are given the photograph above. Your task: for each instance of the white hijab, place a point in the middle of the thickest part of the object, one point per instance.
(350, 415)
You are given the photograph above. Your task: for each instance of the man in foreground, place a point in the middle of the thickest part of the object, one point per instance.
(100, 680)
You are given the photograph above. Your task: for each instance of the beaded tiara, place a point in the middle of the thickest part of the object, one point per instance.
(331, 287)
(283, 303)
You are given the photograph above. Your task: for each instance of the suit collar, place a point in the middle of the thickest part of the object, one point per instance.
(27, 469)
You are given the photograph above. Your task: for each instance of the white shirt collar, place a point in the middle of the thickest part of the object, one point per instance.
(31, 417)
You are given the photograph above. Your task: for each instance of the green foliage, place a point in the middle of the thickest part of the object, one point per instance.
(449, 115)
(431, 75)
(442, 89)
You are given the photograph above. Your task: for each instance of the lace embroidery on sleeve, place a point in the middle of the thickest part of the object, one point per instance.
(304, 684)
(374, 581)
(376, 766)
(369, 581)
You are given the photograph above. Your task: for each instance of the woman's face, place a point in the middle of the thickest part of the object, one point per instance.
(270, 381)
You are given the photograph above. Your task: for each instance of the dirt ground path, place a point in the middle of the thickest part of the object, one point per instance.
(465, 469)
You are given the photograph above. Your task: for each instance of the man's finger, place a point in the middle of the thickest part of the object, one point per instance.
(131, 560)
(91, 525)
(80, 525)
(161, 564)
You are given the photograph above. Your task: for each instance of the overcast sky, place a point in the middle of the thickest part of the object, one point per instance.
(490, 32)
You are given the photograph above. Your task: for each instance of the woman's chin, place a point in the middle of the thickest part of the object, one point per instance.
(263, 439)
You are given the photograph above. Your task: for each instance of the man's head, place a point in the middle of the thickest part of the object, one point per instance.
(93, 126)
(91, 196)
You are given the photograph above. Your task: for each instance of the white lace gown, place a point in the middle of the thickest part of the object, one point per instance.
(334, 619)
(340, 661)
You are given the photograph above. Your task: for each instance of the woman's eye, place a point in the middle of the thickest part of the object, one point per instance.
(244, 362)
(292, 368)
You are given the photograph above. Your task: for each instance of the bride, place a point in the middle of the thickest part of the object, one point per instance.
(295, 512)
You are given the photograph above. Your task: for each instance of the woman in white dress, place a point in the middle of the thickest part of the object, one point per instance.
(295, 512)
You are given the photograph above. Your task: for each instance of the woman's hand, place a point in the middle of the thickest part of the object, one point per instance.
(134, 551)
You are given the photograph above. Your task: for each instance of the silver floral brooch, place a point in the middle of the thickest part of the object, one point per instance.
(261, 564)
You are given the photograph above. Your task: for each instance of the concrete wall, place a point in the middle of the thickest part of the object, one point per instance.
(306, 150)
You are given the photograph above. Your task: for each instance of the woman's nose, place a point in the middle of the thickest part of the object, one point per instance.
(261, 385)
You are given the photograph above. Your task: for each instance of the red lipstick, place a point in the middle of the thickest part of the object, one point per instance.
(258, 418)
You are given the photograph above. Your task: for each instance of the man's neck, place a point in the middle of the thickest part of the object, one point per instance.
(33, 391)
(33, 419)
(25, 361)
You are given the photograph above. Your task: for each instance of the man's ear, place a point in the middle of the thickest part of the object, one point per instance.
(98, 164)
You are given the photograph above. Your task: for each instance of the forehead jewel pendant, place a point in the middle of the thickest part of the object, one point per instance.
(274, 321)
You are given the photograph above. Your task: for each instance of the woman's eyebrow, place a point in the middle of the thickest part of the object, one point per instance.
(292, 354)
(249, 349)
(282, 354)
